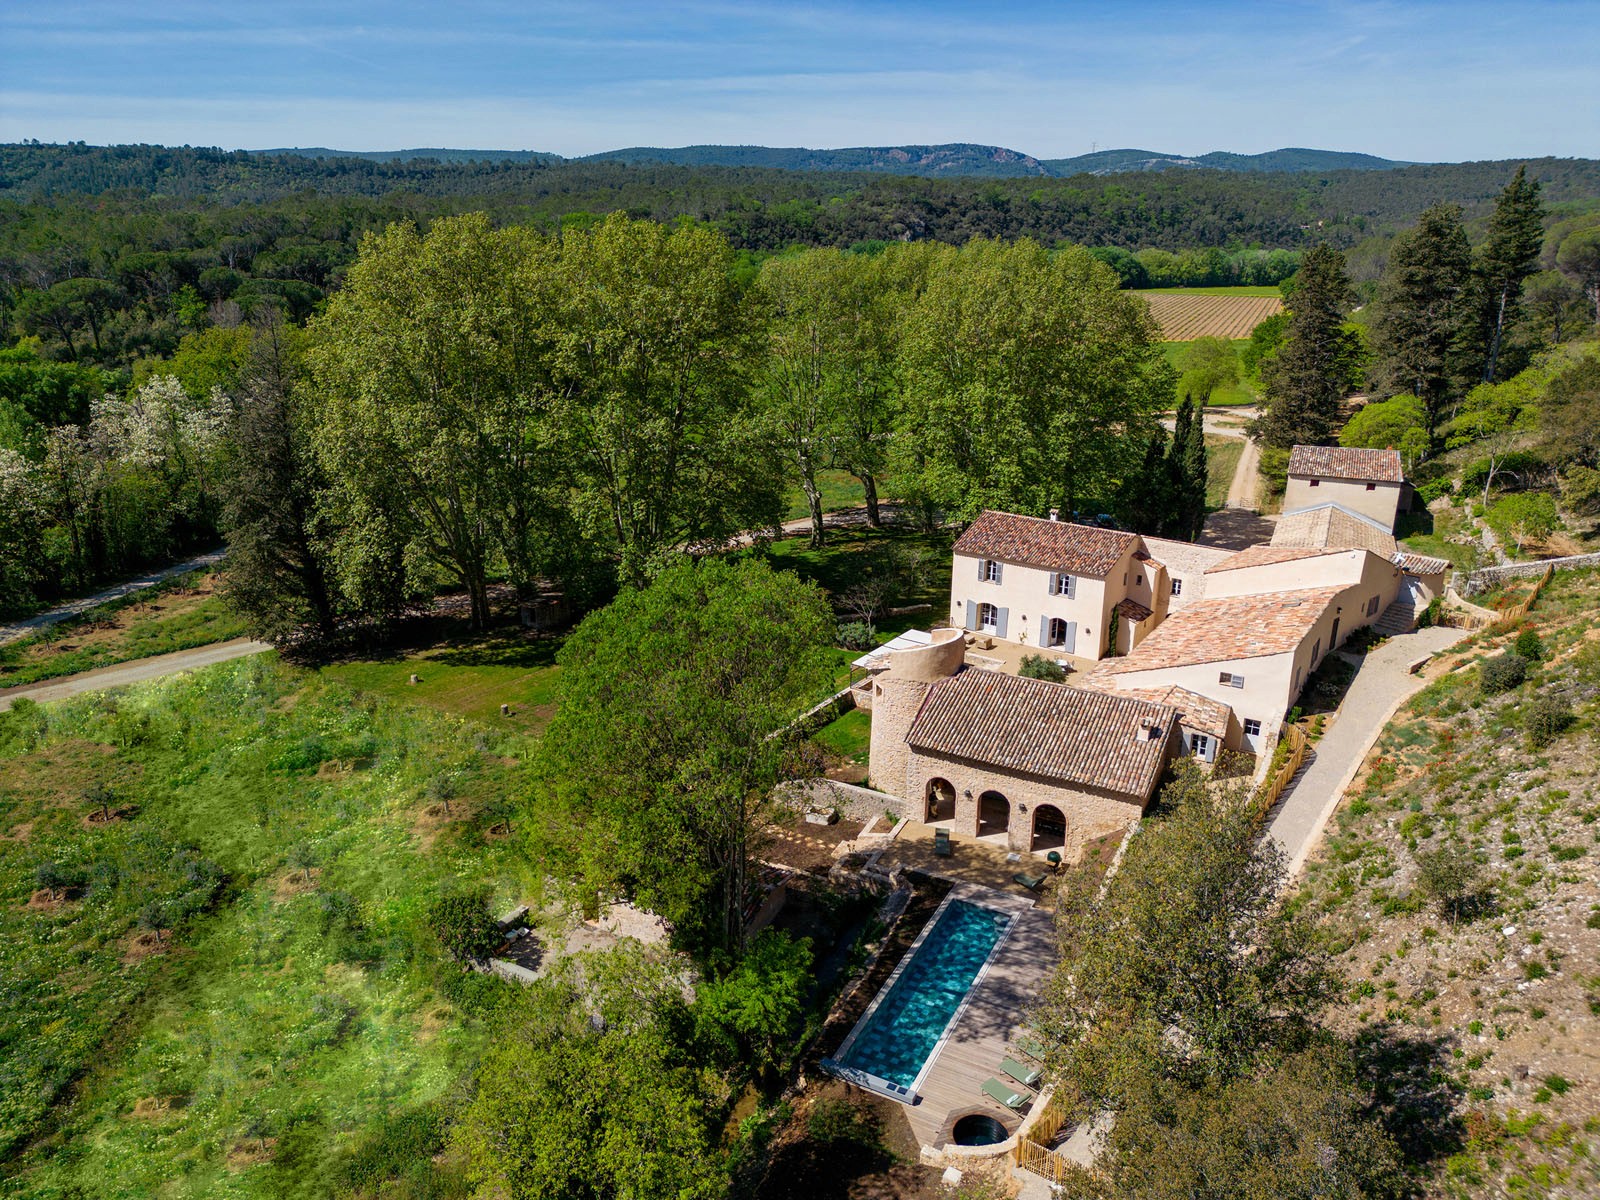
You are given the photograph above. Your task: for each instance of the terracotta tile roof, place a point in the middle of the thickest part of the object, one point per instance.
(1048, 729)
(1052, 545)
(1226, 628)
(1342, 462)
(1420, 564)
(1333, 525)
(1262, 556)
(1195, 711)
(1133, 610)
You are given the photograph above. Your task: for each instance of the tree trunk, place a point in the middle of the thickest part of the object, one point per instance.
(814, 502)
(869, 487)
(1494, 339)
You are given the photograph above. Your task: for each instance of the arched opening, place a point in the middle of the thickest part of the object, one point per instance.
(994, 814)
(988, 618)
(1049, 828)
(939, 802)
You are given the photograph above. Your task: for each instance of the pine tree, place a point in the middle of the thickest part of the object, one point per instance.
(1307, 379)
(1510, 254)
(1427, 336)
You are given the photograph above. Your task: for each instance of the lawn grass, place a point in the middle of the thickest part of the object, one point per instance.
(1427, 533)
(179, 614)
(848, 736)
(840, 490)
(467, 679)
(293, 1015)
(1222, 458)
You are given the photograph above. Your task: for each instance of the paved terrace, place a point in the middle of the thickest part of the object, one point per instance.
(972, 1050)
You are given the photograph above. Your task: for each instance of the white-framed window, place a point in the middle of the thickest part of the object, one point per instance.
(1057, 632)
(1252, 727)
(1229, 679)
(988, 618)
(989, 571)
(1062, 584)
(1200, 745)
(1177, 587)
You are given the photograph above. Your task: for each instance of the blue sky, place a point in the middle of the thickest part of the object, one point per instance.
(1424, 81)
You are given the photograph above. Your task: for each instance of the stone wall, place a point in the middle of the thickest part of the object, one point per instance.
(1472, 583)
(1090, 813)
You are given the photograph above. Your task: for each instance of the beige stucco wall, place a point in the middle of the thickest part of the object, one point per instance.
(897, 694)
(1339, 569)
(1090, 813)
(1273, 681)
(1381, 503)
(1024, 592)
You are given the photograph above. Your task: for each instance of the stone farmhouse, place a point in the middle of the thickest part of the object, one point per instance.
(1173, 648)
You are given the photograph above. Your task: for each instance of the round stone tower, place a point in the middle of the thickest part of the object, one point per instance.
(897, 694)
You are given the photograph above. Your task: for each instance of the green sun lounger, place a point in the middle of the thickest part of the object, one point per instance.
(1025, 1075)
(1030, 1046)
(942, 846)
(1007, 1094)
(1031, 882)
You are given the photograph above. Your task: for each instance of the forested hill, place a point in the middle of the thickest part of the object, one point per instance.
(762, 207)
(957, 158)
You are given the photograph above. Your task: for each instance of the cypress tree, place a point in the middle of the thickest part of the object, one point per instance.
(1510, 254)
(1306, 380)
(1427, 333)
(1195, 474)
(1146, 496)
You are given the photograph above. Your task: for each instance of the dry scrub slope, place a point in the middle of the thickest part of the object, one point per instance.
(1490, 1025)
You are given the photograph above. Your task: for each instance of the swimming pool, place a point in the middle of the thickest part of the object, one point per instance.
(900, 1031)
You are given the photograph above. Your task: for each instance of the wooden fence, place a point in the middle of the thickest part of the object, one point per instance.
(1032, 1151)
(1519, 612)
(1272, 789)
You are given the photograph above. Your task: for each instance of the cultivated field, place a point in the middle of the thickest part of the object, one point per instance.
(1184, 317)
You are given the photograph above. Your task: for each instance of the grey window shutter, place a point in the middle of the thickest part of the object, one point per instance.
(999, 572)
(972, 614)
(1072, 587)
(1071, 643)
(983, 569)
(1000, 615)
(1044, 632)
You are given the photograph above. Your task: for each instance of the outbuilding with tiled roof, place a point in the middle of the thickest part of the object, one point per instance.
(1369, 482)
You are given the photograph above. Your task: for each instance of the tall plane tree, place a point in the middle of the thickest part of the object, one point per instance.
(1307, 378)
(1510, 254)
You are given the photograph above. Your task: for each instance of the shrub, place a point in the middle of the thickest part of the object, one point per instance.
(857, 635)
(1545, 720)
(1449, 877)
(464, 927)
(1501, 673)
(1529, 645)
(1429, 616)
(1037, 666)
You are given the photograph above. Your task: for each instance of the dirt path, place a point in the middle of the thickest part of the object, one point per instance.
(122, 674)
(1242, 491)
(73, 608)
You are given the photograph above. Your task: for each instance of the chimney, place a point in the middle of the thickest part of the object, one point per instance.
(1055, 514)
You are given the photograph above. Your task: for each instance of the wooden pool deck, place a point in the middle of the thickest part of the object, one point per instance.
(983, 1033)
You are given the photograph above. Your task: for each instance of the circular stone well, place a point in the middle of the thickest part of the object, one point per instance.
(977, 1129)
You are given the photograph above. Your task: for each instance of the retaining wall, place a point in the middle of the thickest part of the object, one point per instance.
(1473, 582)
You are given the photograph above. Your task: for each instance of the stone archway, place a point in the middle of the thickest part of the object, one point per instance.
(939, 801)
(1049, 828)
(994, 814)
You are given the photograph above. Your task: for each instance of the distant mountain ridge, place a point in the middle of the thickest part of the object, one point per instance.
(953, 158)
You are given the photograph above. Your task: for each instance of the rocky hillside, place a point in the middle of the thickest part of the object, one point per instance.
(1459, 890)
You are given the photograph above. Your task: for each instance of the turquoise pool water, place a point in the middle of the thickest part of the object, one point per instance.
(900, 1034)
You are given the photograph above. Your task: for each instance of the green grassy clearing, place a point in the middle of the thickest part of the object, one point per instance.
(1222, 459)
(848, 736)
(839, 490)
(1247, 290)
(1226, 397)
(288, 1021)
(182, 613)
(466, 679)
(924, 577)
